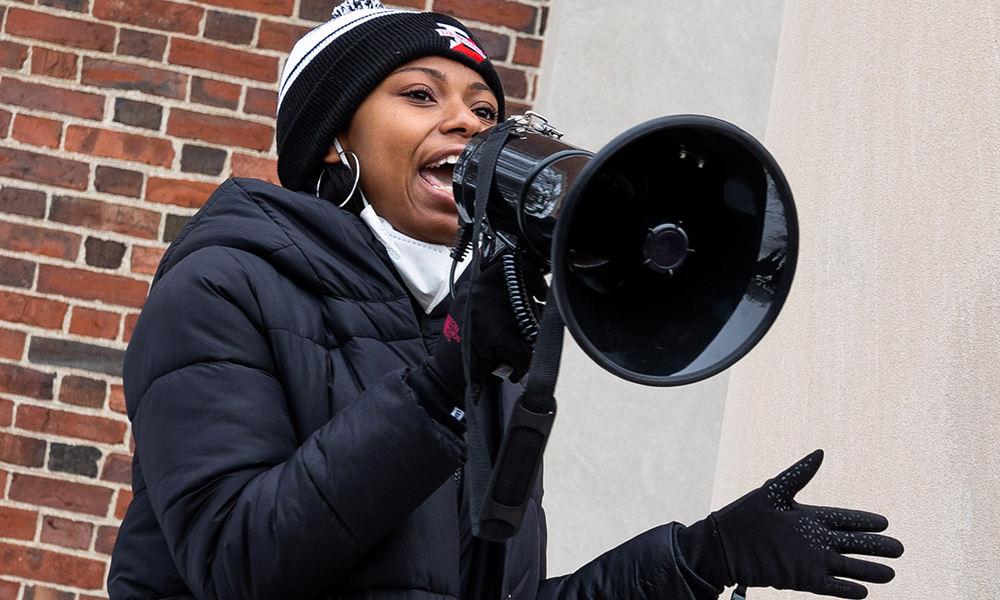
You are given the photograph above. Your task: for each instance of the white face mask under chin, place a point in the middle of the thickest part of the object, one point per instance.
(425, 268)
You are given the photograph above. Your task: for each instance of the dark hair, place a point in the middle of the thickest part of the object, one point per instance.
(337, 181)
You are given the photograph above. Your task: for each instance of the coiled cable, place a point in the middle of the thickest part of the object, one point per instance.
(520, 300)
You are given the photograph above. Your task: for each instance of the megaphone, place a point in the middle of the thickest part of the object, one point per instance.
(672, 249)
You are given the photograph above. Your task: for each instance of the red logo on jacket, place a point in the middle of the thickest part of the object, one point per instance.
(462, 42)
(451, 330)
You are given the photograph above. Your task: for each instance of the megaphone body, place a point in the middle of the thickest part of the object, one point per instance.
(672, 249)
(671, 252)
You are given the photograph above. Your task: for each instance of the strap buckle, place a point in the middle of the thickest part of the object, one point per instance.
(535, 123)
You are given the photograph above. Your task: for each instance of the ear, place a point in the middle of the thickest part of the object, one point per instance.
(332, 157)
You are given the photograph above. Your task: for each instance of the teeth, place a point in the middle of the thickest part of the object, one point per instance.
(450, 160)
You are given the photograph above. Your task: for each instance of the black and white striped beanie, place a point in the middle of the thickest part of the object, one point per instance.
(334, 67)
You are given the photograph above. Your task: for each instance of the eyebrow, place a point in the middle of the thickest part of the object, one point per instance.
(476, 85)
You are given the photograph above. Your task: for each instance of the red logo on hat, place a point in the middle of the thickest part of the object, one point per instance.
(461, 42)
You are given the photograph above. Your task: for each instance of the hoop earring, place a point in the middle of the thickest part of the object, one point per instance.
(319, 180)
(357, 176)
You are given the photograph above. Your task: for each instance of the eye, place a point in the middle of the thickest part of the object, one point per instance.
(486, 113)
(420, 94)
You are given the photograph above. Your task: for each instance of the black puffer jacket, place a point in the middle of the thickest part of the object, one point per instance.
(279, 451)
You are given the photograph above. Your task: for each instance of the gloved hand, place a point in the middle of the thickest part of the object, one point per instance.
(766, 538)
(495, 339)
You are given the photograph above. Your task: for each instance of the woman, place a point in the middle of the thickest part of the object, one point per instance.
(298, 423)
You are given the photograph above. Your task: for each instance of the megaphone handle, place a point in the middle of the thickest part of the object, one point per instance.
(505, 498)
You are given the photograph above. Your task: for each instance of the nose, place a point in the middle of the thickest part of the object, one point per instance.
(460, 119)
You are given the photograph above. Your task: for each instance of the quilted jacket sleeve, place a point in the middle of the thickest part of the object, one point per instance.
(248, 512)
(647, 567)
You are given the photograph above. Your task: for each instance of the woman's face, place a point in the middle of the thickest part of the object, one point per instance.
(408, 134)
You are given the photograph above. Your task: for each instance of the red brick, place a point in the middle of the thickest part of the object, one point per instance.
(28, 203)
(36, 240)
(279, 36)
(106, 536)
(228, 61)
(104, 216)
(130, 321)
(32, 310)
(35, 592)
(6, 416)
(9, 590)
(19, 450)
(5, 119)
(116, 401)
(38, 96)
(215, 93)
(74, 5)
(75, 535)
(53, 567)
(145, 259)
(503, 13)
(189, 194)
(94, 323)
(228, 27)
(528, 51)
(124, 499)
(53, 63)
(271, 7)
(118, 468)
(155, 14)
(83, 391)
(220, 130)
(120, 182)
(70, 424)
(261, 102)
(91, 597)
(18, 524)
(37, 131)
(62, 31)
(88, 285)
(12, 344)
(12, 55)
(124, 76)
(156, 152)
(40, 168)
(64, 495)
(142, 44)
(515, 82)
(258, 167)
(15, 272)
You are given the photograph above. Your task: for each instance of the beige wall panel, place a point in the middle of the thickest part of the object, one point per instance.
(886, 119)
(623, 457)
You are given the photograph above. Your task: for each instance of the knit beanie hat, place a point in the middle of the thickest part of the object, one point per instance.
(334, 67)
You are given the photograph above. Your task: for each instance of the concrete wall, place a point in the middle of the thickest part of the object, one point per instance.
(886, 119)
(623, 457)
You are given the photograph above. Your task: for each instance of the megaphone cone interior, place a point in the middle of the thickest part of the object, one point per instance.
(674, 250)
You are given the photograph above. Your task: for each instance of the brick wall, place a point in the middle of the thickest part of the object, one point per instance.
(117, 119)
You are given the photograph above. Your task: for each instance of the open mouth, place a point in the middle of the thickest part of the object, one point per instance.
(439, 175)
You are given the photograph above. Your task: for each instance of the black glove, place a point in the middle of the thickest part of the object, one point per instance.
(766, 538)
(495, 340)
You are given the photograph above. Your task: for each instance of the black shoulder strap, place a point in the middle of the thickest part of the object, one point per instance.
(497, 497)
